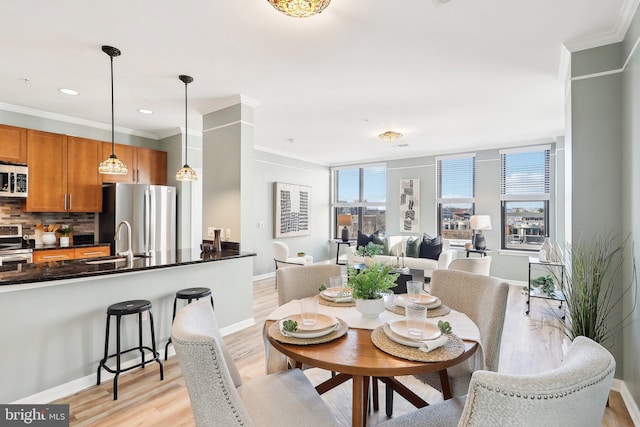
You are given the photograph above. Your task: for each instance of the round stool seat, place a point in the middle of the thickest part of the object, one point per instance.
(192, 293)
(129, 307)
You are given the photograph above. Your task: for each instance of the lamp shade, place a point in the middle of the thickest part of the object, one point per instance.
(480, 222)
(344, 220)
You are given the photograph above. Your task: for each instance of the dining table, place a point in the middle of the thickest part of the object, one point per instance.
(353, 355)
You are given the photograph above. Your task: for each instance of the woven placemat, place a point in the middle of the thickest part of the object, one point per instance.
(431, 312)
(452, 349)
(274, 332)
(328, 303)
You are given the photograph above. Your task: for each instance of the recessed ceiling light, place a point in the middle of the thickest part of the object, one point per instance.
(144, 111)
(69, 92)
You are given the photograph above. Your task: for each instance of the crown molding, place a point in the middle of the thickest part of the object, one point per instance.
(625, 17)
(178, 131)
(73, 120)
(228, 101)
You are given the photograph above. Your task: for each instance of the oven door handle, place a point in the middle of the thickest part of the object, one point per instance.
(14, 258)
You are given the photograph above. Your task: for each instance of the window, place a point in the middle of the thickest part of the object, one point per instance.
(456, 192)
(362, 192)
(524, 194)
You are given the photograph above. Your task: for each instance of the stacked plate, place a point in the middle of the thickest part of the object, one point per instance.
(325, 324)
(430, 301)
(432, 338)
(337, 295)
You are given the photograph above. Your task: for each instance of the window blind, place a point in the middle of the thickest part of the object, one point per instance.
(524, 174)
(456, 178)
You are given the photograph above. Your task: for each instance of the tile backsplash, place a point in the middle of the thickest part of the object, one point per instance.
(10, 213)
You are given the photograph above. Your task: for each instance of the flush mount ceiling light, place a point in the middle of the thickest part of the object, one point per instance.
(186, 173)
(300, 8)
(390, 136)
(112, 165)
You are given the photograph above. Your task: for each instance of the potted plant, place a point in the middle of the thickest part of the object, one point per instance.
(369, 251)
(368, 287)
(64, 235)
(590, 287)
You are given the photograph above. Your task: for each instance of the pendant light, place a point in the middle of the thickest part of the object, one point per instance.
(186, 173)
(112, 165)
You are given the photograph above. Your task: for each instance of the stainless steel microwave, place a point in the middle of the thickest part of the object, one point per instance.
(14, 180)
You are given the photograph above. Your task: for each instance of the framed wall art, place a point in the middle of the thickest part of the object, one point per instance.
(409, 205)
(292, 215)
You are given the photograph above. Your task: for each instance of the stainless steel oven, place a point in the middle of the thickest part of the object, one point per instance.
(14, 180)
(11, 246)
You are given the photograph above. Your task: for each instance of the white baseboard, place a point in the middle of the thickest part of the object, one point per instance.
(621, 387)
(79, 384)
(264, 276)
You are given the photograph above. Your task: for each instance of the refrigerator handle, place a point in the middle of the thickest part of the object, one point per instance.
(147, 220)
(152, 222)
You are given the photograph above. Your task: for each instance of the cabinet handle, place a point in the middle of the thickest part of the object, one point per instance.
(70, 201)
(65, 201)
(53, 256)
(93, 253)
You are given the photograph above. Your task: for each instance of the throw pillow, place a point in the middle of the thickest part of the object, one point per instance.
(413, 247)
(430, 248)
(363, 239)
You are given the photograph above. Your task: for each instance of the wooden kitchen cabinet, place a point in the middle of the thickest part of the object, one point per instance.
(13, 144)
(152, 166)
(145, 166)
(63, 173)
(53, 255)
(47, 160)
(92, 252)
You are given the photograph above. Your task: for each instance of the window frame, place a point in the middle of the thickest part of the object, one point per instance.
(525, 197)
(443, 201)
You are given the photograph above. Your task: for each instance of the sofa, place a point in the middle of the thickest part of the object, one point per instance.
(397, 246)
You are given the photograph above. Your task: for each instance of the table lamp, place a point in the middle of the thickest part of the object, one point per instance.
(345, 220)
(478, 223)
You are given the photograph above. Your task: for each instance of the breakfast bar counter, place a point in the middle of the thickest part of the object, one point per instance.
(53, 314)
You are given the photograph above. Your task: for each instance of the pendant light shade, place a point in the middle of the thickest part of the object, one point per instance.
(186, 173)
(112, 165)
(300, 8)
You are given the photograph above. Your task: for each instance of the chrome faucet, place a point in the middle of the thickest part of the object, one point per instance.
(129, 252)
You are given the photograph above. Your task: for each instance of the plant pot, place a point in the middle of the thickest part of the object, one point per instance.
(368, 260)
(49, 238)
(64, 241)
(370, 308)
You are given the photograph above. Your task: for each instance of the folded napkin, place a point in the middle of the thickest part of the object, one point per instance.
(425, 346)
(338, 299)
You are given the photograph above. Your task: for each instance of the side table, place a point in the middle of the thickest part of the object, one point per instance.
(340, 242)
(482, 252)
(535, 293)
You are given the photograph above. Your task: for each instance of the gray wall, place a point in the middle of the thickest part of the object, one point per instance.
(269, 168)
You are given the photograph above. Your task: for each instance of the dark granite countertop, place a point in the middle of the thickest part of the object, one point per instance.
(72, 269)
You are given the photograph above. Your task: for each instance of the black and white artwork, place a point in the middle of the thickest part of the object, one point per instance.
(409, 205)
(292, 215)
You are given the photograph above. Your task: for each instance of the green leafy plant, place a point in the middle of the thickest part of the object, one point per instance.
(370, 250)
(290, 325)
(65, 232)
(445, 327)
(371, 282)
(591, 288)
(546, 285)
(322, 287)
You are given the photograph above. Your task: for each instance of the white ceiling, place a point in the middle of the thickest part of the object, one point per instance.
(466, 75)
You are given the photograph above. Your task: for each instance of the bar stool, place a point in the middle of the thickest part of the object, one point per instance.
(123, 309)
(189, 294)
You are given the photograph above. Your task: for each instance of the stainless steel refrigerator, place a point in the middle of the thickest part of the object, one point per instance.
(151, 211)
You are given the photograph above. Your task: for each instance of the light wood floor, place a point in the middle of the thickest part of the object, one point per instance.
(530, 344)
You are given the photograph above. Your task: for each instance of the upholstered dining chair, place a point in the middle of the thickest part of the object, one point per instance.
(472, 265)
(282, 259)
(484, 300)
(218, 396)
(297, 283)
(575, 394)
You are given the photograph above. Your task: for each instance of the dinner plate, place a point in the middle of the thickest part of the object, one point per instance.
(424, 345)
(336, 292)
(424, 299)
(400, 328)
(323, 322)
(308, 334)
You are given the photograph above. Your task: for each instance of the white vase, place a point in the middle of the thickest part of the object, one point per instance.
(64, 241)
(370, 308)
(556, 253)
(49, 238)
(547, 249)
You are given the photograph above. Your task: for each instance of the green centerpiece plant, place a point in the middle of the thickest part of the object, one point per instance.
(368, 287)
(369, 251)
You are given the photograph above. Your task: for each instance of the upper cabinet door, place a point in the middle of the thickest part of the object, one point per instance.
(13, 144)
(152, 166)
(127, 155)
(84, 189)
(47, 160)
